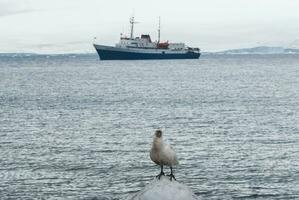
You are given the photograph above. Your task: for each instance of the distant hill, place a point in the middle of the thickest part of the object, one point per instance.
(261, 50)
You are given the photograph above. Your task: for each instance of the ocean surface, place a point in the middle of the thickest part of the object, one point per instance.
(74, 127)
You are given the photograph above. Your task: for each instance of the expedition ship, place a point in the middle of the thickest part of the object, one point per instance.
(140, 48)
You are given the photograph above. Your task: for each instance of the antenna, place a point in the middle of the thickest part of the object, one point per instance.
(159, 29)
(132, 22)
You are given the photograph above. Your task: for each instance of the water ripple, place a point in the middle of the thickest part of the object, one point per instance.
(77, 128)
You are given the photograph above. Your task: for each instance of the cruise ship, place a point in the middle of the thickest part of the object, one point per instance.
(142, 48)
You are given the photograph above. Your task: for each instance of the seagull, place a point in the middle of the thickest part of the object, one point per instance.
(163, 154)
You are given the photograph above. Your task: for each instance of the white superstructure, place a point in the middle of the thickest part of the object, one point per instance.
(145, 42)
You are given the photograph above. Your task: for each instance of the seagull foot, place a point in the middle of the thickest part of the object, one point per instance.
(159, 176)
(171, 177)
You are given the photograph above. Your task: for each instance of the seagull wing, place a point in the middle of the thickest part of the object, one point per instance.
(169, 155)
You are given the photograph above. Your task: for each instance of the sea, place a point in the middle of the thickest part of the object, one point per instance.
(75, 127)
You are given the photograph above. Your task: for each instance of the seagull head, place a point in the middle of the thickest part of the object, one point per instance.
(158, 133)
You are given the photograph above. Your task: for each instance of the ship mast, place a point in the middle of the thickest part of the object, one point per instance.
(132, 22)
(159, 30)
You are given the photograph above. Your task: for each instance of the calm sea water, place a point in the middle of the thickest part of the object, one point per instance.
(74, 127)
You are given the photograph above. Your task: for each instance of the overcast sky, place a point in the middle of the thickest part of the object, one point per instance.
(58, 26)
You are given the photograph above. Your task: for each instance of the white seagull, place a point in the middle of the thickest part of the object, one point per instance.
(163, 154)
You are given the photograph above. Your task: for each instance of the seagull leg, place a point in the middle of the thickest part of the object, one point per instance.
(161, 173)
(171, 174)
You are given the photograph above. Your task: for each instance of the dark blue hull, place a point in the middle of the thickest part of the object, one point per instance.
(123, 55)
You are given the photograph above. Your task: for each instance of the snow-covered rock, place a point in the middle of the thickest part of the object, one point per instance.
(164, 189)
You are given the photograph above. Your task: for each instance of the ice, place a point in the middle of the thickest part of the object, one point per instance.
(164, 189)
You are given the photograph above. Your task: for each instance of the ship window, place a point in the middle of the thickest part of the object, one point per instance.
(163, 52)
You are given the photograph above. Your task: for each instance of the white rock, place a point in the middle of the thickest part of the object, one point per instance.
(164, 189)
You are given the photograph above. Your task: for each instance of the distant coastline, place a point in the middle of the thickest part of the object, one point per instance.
(18, 55)
(260, 50)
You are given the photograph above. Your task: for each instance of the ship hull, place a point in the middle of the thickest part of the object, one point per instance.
(114, 53)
